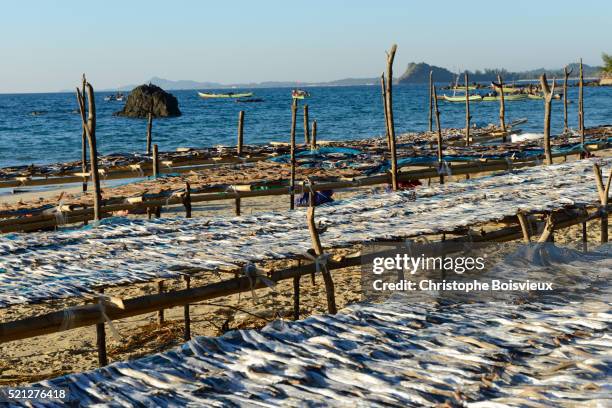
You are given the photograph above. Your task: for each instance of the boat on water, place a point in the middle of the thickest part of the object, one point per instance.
(510, 97)
(531, 96)
(462, 88)
(299, 94)
(461, 98)
(117, 97)
(225, 95)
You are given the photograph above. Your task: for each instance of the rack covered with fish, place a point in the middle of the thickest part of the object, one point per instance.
(43, 266)
(550, 351)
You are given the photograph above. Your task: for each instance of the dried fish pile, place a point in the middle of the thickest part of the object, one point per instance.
(46, 265)
(553, 351)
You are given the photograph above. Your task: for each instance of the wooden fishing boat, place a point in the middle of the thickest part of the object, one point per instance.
(225, 95)
(299, 94)
(530, 96)
(461, 98)
(462, 88)
(510, 97)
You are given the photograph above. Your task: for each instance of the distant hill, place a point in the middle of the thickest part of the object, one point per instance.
(416, 73)
(419, 73)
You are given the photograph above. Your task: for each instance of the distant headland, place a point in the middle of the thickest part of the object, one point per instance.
(415, 73)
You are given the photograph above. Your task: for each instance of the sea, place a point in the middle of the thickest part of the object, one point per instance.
(46, 128)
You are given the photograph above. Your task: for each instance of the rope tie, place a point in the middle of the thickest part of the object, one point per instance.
(232, 189)
(319, 261)
(253, 274)
(444, 168)
(102, 305)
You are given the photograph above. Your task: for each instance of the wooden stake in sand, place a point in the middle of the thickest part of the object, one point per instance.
(101, 342)
(90, 127)
(160, 312)
(186, 315)
(84, 145)
(431, 85)
(306, 125)
(384, 99)
(603, 198)
(581, 107)
(292, 180)
(524, 226)
(391, 125)
(296, 296)
(439, 136)
(467, 111)
(187, 200)
(318, 252)
(567, 74)
(149, 131)
(155, 161)
(502, 107)
(240, 132)
(548, 95)
(313, 137)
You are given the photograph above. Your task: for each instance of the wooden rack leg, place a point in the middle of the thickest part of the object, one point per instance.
(187, 336)
(237, 205)
(101, 342)
(296, 298)
(318, 249)
(160, 312)
(584, 237)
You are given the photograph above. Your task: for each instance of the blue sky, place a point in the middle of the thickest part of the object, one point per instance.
(46, 45)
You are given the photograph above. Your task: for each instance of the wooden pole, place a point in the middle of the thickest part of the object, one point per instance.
(313, 138)
(292, 180)
(90, 126)
(502, 107)
(604, 193)
(84, 145)
(431, 85)
(149, 132)
(581, 107)
(524, 226)
(306, 126)
(567, 74)
(584, 237)
(187, 200)
(296, 296)
(439, 135)
(101, 342)
(384, 99)
(391, 125)
(155, 161)
(240, 132)
(186, 315)
(467, 111)
(548, 95)
(318, 249)
(160, 312)
(237, 205)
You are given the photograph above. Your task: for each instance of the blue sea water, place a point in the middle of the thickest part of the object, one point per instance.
(352, 112)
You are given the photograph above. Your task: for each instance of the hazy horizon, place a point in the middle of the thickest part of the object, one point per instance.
(122, 43)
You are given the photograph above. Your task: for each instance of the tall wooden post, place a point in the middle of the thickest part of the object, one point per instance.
(566, 73)
(502, 107)
(439, 135)
(467, 111)
(296, 296)
(384, 100)
(90, 126)
(548, 95)
(155, 161)
(431, 85)
(240, 133)
(306, 126)
(149, 132)
(391, 125)
(581, 107)
(318, 249)
(292, 180)
(313, 137)
(84, 145)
